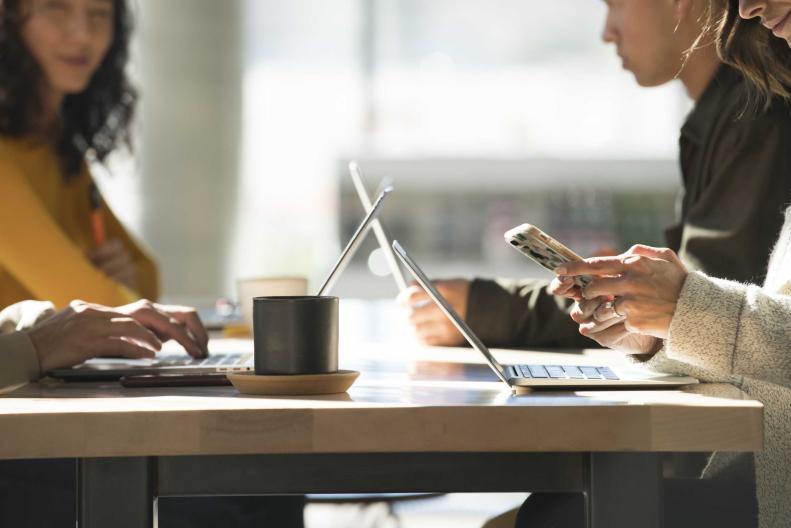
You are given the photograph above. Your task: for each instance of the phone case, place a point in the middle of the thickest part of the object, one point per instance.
(542, 248)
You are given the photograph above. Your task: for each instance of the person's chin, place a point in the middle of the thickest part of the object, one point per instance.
(649, 81)
(74, 86)
(639, 76)
(645, 82)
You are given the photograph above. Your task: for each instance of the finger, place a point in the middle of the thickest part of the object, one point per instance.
(575, 294)
(597, 266)
(119, 347)
(106, 250)
(434, 340)
(169, 328)
(126, 327)
(578, 317)
(426, 314)
(657, 253)
(191, 320)
(414, 295)
(424, 330)
(561, 285)
(587, 307)
(438, 339)
(610, 336)
(608, 287)
(95, 311)
(117, 264)
(605, 311)
(651, 252)
(405, 295)
(593, 328)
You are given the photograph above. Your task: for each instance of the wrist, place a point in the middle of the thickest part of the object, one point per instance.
(38, 350)
(654, 349)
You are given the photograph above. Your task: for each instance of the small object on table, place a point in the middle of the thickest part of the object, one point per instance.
(294, 385)
(175, 380)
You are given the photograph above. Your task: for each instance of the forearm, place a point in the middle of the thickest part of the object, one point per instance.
(732, 329)
(522, 314)
(36, 252)
(18, 360)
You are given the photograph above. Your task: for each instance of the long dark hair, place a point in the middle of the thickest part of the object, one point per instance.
(93, 122)
(764, 59)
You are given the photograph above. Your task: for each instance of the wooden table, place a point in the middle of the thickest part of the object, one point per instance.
(432, 420)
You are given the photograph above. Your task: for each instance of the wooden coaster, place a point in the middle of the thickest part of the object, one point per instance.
(294, 385)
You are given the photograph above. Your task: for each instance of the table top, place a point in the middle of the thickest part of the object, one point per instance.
(408, 399)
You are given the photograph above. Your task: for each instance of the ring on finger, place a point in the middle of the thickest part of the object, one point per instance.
(615, 309)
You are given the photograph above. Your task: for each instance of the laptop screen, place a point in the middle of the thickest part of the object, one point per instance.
(381, 237)
(446, 308)
(354, 243)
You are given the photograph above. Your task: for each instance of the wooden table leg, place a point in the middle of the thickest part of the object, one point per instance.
(625, 490)
(116, 492)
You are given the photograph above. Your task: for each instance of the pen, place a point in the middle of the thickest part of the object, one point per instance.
(97, 218)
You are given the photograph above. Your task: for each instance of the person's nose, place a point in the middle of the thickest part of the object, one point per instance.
(609, 34)
(79, 27)
(752, 8)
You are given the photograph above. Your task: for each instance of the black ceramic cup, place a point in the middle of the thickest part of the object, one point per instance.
(295, 335)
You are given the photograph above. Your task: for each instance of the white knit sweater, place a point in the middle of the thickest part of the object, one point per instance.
(727, 331)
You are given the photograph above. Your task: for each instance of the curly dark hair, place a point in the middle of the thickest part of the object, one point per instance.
(93, 122)
(763, 59)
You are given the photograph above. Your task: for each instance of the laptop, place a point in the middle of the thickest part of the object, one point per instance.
(381, 237)
(176, 362)
(541, 376)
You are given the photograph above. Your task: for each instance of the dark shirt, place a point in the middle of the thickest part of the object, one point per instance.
(736, 169)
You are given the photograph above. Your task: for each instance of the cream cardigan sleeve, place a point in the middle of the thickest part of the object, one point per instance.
(732, 329)
(18, 358)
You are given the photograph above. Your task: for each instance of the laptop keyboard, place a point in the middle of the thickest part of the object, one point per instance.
(212, 361)
(565, 372)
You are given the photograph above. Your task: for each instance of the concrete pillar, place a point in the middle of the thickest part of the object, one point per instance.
(189, 70)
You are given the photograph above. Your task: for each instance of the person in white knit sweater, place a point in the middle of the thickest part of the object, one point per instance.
(646, 303)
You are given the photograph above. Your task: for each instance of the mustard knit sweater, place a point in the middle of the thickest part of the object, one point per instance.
(45, 231)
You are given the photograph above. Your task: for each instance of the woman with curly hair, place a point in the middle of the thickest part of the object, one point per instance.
(64, 100)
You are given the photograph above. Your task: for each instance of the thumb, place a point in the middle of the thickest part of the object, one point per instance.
(653, 252)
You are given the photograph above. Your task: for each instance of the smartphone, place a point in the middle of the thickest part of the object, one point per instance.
(542, 248)
(211, 379)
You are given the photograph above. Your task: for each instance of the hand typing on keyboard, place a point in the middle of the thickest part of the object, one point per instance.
(180, 323)
(84, 331)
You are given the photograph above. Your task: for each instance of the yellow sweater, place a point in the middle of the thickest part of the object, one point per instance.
(45, 231)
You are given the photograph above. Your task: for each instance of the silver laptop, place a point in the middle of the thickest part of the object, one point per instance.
(176, 362)
(381, 237)
(544, 376)
(172, 362)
